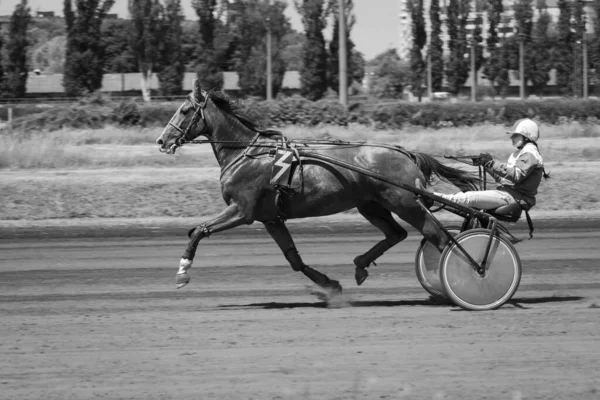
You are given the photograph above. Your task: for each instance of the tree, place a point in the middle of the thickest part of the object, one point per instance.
(538, 57)
(457, 68)
(390, 75)
(524, 25)
(172, 65)
(491, 69)
(595, 44)
(293, 42)
(248, 23)
(209, 62)
(118, 52)
(334, 45)
(15, 84)
(578, 29)
(313, 73)
(436, 47)
(563, 51)
(358, 66)
(507, 60)
(84, 54)
(477, 39)
(419, 39)
(145, 38)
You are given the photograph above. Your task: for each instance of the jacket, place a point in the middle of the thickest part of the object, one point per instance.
(521, 174)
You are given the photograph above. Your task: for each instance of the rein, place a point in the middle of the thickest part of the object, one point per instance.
(198, 114)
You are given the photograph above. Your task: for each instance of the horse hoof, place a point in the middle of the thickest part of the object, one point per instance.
(335, 288)
(182, 280)
(360, 274)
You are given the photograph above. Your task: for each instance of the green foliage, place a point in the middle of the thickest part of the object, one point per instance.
(171, 64)
(115, 40)
(16, 68)
(595, 44)
(209, 58)
(146, 34)
(563, 52)
(358, 66)
(313, 73)
(491, 68)
(47, 42)
(419, 38)
(578, 29)
(250, 23)
(97, 111)
(539, 53)
(293, 42)
(457, 68)
(436, 47)
(477, 41)
(390, 75)
(84, 58)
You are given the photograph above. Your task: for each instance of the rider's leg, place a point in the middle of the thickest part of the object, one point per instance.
(381, 218)
(283, 238)
(482, 200)
(229, 218)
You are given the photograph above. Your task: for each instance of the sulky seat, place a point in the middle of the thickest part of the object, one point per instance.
(508, 213)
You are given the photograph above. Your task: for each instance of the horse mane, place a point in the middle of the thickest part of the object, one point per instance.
(233, 107)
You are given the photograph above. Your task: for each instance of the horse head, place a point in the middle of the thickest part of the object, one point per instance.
(187, 123)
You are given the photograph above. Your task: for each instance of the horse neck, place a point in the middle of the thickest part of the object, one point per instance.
(227, 128)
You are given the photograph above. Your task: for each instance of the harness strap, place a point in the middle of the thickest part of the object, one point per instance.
(529, 223)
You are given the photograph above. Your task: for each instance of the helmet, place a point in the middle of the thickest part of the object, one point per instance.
(527, 128)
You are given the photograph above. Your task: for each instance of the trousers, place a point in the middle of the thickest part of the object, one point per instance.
(481, 200)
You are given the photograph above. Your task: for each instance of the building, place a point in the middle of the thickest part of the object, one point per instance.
(42, 85)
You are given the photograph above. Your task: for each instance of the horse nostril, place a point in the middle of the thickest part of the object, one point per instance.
(159, 142)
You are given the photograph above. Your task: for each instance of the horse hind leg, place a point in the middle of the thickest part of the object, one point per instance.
(283, 238)
(381, 218)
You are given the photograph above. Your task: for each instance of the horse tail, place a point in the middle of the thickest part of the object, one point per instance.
(431, 167)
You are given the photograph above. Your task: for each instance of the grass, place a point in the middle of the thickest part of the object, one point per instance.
(119, 173)
(118, 147)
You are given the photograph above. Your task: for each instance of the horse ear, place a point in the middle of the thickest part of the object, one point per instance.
(197, 90)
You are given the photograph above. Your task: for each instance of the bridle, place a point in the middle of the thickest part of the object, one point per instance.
(198, 113)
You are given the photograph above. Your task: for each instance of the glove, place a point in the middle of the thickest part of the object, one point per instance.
(485, 159)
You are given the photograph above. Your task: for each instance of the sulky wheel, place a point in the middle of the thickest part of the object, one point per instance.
(427, 261)
(473, 290)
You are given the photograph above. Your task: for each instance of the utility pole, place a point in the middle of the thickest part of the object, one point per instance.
(343, 75)
(473, 73)
(429, 76)
(522, 66)
(585, 66)
(269, 58)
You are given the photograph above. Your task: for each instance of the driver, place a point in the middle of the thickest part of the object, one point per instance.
(519, 177)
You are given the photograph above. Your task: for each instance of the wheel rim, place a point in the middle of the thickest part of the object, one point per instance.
(470, 289)
(427, 265)
(428, 272)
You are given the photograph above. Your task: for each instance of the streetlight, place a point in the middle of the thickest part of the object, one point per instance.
(269, 56)
(343, 88)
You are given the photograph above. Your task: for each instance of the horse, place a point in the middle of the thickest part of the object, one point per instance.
(244, 153)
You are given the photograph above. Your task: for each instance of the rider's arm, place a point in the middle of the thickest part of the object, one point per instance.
(526, 163)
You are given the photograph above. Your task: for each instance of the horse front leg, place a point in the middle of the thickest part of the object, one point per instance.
(229, 218)
(280, 233)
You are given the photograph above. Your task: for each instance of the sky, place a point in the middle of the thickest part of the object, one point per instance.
(374, 32)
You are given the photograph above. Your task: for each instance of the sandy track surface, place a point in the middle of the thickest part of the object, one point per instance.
(100, 318)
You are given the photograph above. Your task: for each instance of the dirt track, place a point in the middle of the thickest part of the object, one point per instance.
(100, 317)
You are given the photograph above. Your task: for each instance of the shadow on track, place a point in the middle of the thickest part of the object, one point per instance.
(518, 303)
